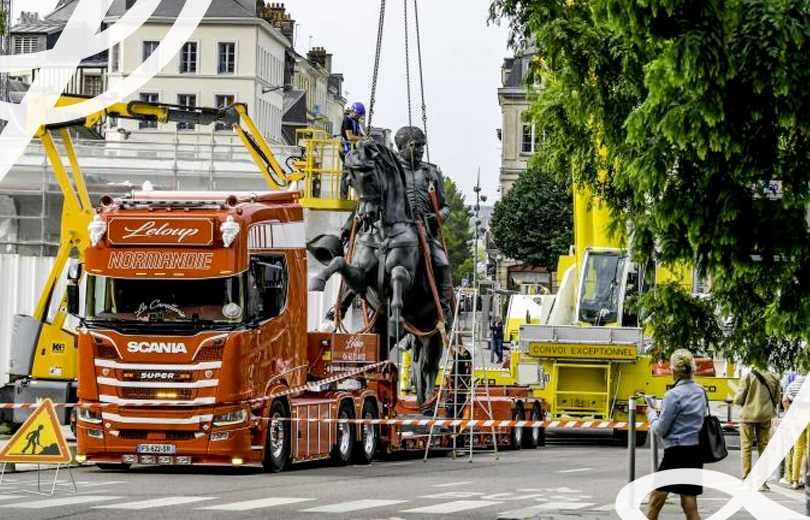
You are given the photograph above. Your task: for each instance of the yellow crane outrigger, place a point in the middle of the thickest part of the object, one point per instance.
(43, 353)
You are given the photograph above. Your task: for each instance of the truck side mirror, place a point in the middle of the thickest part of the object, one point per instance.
(73, 281)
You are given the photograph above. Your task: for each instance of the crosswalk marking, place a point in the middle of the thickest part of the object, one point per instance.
(608, 507)
(256, 504)
(451, 484)
(356, 505)
(551, 506)
(577, 470)
(155, 502)
(9, 497)
(68, 501)
(452, 507)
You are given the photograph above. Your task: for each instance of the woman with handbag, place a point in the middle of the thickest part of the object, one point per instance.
(679, 425)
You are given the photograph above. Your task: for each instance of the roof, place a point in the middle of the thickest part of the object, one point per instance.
(172, 8)
(37, 28)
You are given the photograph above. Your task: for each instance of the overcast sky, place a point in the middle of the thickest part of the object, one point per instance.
(462, 58)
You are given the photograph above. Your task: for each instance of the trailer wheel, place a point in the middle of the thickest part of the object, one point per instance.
(537, 434)
(369, 434)
(344, 436)
(516, 434)
(277, 445)
(109, 466)
(622, 437)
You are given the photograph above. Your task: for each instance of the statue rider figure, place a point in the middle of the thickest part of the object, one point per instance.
(420, 178)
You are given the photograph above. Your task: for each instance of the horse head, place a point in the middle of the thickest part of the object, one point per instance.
(365, 177)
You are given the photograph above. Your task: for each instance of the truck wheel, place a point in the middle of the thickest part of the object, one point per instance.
(536, 433)
(369, 435)
(108, 466)
(622, 436)
(516, 434)
(344, 436)
(277, 445)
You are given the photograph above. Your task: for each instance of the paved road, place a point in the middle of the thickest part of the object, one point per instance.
(556, 482)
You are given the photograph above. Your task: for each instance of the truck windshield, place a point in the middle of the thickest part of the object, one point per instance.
(601, 288)
(217, 300)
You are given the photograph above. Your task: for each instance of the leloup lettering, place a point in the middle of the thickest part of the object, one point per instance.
(151, 229)
(146, 347)
(355, 343)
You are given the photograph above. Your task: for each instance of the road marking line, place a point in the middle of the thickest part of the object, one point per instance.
(452, 507)
(789, 493)
(455, 494)
(256, 504)
(9, 497)
(56, 502)
(451, 484)
(356, 505)
(611, 507)
(399, 463)
(578, 470)
(155, 502)
(551, 506)
(97, 484)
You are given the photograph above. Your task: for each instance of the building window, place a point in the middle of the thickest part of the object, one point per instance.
(26, 44)
(223, 101)
(530, 140)
(148, 97)
(186, 100)
(188, 58)
(149, 48)
(115, 58)
(93, 85)
(227, 58)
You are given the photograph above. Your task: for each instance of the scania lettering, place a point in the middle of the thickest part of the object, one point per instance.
(157, 348)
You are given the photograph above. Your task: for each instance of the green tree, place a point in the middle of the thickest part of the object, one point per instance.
(533, 222)
(696, 114)
(457, 232)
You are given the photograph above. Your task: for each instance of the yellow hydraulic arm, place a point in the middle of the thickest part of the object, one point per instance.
(54, 353)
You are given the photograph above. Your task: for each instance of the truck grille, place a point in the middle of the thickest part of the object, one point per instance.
(134, 435)
(158, 394)
(210, 353)
(142, 435)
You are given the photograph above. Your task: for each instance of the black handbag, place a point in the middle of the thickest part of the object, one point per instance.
(712, 439)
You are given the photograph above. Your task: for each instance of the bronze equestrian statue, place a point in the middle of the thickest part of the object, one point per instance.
(387, 268)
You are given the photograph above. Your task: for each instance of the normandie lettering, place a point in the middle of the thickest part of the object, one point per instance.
(155, 261)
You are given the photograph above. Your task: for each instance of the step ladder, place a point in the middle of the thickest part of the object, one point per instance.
(459, 395)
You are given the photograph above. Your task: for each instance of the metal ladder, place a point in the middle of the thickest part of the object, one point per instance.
(461, 397)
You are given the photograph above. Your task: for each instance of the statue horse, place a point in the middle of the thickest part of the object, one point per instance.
(387, 268)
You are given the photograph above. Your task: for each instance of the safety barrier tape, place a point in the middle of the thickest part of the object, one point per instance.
(314, 386)
(482, 423)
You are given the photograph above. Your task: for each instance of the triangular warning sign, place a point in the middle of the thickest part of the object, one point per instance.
(39, 440)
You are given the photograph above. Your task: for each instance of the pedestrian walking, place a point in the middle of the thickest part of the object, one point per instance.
(758, 396)
(497, 339)
(679, 425)
(798, 460)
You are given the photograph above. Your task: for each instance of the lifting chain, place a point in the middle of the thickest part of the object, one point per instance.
(380, 29)
(408, 64)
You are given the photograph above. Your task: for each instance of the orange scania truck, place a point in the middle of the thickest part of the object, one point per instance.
(194, 346)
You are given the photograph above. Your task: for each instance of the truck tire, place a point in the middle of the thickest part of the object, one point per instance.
(516, 435)
(344, 436)
(110, 466)
(536, 436)
(366, 446)
(622, 437)
(277, 444)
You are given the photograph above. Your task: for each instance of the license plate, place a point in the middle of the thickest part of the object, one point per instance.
(157, 448)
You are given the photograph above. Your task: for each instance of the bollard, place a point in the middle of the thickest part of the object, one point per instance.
(653, 451)
(631, 436)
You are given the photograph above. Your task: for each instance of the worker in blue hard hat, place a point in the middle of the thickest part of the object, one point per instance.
(351, 132)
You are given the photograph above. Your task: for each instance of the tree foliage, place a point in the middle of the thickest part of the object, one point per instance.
(695, 112)
(457, 232)
(533, 222)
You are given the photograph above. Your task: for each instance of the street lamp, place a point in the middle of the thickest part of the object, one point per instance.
(479, 198)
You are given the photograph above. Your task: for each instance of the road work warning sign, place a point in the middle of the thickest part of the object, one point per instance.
(39, 441)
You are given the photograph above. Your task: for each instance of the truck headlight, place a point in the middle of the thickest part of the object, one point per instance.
(88, 416)
(228, 418)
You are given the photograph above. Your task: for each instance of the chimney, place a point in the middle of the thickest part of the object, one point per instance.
(318, 56)
(276, 15)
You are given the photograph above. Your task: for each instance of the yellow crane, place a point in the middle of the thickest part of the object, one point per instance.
(43, 352)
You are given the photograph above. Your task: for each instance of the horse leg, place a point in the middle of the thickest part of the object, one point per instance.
(400, 281)
(355, 277)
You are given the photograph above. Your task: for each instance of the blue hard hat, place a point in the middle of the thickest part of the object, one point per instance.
(359, 108)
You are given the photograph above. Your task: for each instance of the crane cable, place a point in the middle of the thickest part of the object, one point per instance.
(421, 76)
(380, 29)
